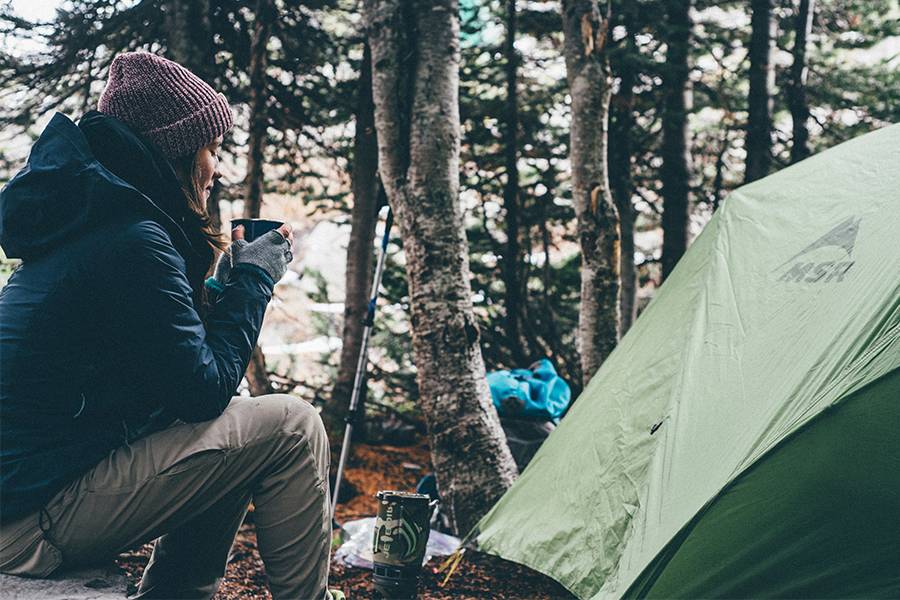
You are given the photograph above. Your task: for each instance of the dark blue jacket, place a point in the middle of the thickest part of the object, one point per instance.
(101, 341)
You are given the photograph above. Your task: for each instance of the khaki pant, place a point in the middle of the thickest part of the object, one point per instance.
(189, 486)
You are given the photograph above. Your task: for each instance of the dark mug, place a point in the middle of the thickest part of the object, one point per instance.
(253, 228)
(401, 535)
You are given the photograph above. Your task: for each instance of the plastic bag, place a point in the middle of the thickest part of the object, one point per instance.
(357, 550)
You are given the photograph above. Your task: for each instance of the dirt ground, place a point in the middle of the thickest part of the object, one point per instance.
(374, 468)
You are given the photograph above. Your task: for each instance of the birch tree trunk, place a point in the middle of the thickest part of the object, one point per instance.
(675, 172)
(415, 81)
(363, 217)
(257, 375)
(587, 71)
(759, 101)
(797, 90)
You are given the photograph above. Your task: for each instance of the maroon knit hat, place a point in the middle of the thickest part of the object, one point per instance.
(164, 102)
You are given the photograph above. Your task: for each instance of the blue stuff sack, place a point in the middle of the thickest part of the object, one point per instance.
(533, 393)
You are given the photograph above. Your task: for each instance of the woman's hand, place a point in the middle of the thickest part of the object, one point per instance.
(271, 252)
(272, 256)
(226, 260)
(286, 231)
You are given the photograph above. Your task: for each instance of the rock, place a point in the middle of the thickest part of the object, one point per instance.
(98, 583)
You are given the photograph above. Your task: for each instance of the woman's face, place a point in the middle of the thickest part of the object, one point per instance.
(208, 166)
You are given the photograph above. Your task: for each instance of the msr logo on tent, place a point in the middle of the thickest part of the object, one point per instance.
(826, 260)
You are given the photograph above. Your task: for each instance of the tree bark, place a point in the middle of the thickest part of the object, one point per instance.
(87, 100)
(257, 375)
(415, 77)
(759, 101)
(587, 72)
(363, 218)
(797, 90)
(259, 118)
(621, 127)
(189, 40)
(719, 178)
(512, 260)
(675, 173)
(189, 36)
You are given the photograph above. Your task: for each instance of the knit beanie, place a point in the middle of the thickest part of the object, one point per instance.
(164, 102)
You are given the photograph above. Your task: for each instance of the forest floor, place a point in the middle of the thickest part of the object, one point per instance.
(370, 469)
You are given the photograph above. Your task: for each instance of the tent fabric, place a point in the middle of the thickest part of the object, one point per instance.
(786, 304)
(783, 529)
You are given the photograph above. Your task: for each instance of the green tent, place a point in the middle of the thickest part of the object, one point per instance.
(743, 440)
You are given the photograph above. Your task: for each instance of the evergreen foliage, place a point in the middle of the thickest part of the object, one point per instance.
(313, 64)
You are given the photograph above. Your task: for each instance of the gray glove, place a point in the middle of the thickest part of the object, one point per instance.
(270, 252)
(223, 267)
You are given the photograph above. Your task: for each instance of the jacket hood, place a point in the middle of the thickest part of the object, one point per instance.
(79, 176)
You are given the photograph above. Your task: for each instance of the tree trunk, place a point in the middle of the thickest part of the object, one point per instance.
(719, 178)
(675, 173)
(259, 118)
(621, 130)
(512, 260)
(364, 182)
(759, 101)
(87, 100)
(797, 89)
(415, 69)
(189, 39)
(257, 376)
(189, 36)
(587, 71)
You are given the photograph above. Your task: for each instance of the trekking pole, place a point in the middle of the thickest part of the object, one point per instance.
(355, 404)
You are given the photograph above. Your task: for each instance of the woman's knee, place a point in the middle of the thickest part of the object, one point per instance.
(291, 416)
(299, 420)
